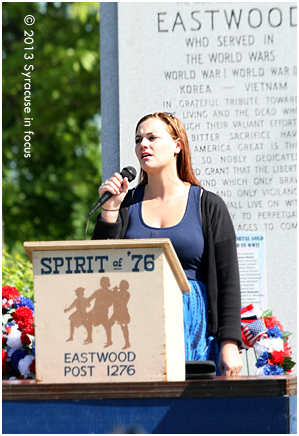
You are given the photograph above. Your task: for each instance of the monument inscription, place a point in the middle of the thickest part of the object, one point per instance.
(244, 138)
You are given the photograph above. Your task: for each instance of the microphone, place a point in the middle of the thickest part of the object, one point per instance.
(128, 172)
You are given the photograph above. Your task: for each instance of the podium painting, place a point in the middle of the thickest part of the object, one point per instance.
(107, 312)
(104, 299)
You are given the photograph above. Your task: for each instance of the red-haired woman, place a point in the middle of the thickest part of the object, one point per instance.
(170, 203)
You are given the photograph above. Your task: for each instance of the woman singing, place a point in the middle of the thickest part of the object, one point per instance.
(170, 203)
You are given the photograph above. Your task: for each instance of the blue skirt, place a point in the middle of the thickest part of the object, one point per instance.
(198, 346)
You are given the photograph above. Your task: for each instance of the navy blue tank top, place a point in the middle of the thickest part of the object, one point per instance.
(186, 237)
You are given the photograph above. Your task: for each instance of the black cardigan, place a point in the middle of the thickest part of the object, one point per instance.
(220, 257)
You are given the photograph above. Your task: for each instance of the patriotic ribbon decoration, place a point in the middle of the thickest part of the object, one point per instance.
(252, 326)
(250, 313)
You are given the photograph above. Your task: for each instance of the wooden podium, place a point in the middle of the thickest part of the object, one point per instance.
(108, 311)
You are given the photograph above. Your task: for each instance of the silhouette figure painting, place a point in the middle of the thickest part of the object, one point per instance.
(99, 314)
(79, 317)
(120, 310)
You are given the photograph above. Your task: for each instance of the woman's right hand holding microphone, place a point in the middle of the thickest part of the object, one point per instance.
(118, 187)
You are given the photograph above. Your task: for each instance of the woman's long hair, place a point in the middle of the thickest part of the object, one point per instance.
(176, 130)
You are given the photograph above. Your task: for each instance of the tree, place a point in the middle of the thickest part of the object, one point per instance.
(47, 196)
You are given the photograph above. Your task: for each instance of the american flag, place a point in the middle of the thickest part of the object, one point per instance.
(252, 332)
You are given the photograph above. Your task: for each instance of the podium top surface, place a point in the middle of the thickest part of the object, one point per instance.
(163, 243)
(219, 387)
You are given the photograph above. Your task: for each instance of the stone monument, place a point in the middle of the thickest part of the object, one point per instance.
(228, 71)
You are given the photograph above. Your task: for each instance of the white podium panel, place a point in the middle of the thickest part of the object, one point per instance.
(108, 311)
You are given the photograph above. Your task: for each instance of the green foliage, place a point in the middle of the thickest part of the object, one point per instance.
(285, 336)
(48, 196)
(267, 314)
(17, 272)
(288, 363)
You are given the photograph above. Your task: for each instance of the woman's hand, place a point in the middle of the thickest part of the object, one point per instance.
(230, 362)
(118, 187)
